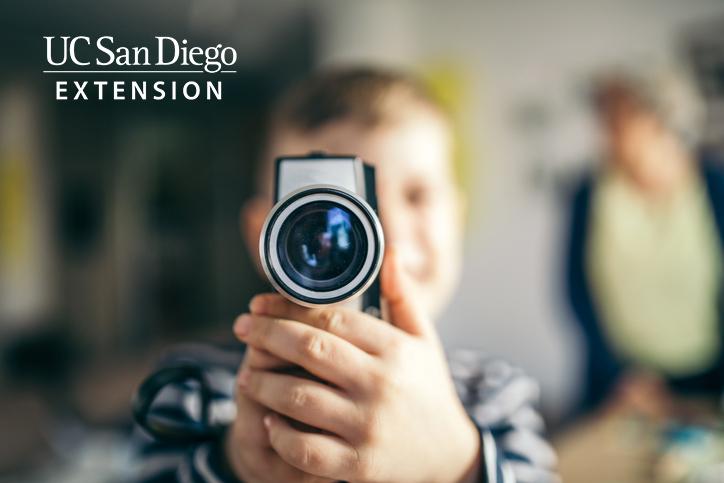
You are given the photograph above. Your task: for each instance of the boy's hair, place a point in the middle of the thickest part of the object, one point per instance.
(371, 97)
(365, 95)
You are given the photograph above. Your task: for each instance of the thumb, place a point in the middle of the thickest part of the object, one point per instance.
(401, 308)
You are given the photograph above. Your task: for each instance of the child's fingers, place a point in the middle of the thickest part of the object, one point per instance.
(325, 355)
(262, 360)
(248, 430)
(362, 330)
(264, 464)
(314, 453)
(309, 402)
(283, 471)
(403, 310)
(250, 444)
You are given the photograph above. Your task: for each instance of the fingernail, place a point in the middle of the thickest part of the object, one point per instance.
(244, 377)
(258, 304)
(267, 421)
(242, 325)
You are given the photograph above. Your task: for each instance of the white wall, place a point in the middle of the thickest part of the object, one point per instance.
(510, 302)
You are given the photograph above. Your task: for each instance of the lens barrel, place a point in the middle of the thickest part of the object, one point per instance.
(321, 245)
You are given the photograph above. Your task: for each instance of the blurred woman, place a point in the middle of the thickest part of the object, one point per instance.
(644, 269)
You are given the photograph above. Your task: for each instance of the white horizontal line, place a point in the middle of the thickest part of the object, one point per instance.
(136, 72)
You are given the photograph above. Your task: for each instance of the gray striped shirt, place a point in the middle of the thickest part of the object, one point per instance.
(499, 398)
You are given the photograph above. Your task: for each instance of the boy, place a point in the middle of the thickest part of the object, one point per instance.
(384, 406)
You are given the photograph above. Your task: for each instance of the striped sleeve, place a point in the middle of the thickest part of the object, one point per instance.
(501, 400)
(163, 461)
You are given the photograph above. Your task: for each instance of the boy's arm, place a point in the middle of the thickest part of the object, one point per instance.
(501, 399)
(202, 463)
(161, 460)
(228, 444)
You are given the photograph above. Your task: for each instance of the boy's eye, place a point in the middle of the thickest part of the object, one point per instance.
(418, 196)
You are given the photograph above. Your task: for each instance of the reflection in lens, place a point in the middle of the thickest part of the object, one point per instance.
(322, 246)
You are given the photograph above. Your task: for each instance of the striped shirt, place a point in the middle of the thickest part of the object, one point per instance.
(499, 398)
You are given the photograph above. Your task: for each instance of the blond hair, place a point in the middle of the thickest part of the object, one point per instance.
(365, 95)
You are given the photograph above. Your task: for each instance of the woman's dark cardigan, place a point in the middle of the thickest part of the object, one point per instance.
(602, 366)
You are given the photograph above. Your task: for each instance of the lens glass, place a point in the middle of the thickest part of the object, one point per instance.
(322, 246)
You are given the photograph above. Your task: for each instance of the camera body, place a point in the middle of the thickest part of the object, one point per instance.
(322, 243)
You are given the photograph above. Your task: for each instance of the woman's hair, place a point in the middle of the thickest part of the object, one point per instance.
(665, 89)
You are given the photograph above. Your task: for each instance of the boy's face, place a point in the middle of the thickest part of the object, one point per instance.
(420, 206)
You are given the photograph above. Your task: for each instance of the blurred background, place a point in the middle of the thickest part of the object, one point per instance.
(119, 221)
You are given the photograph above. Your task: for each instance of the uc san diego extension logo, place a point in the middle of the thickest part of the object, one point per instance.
(94, 69)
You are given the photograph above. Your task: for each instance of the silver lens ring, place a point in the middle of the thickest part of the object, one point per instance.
(268, 244)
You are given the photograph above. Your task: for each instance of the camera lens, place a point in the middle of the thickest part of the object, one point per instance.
(322, 245)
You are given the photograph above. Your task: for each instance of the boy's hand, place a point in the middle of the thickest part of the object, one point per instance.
(386, 406)
(247, 448)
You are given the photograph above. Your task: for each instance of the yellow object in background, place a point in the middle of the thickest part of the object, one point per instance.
(26, 255)
(14, 210)
(450, 86)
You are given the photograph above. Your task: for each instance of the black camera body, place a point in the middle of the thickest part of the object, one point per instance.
(322, 243)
